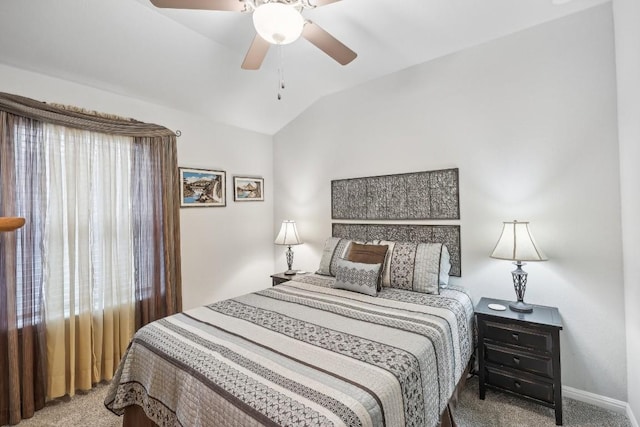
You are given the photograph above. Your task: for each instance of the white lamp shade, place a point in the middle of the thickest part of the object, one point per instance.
(288, 234)
(517, 244)
(278, 23)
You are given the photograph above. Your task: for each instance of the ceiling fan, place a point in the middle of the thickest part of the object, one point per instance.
(277, 22)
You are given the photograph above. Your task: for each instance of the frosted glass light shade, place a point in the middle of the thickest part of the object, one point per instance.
(288, 234)
(278, 23)
(517, 244)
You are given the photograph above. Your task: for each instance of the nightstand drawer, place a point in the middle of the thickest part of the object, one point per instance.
(519, 360)
(520, 384)
(515, 335)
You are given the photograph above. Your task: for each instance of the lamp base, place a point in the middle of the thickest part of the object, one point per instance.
(290, 272)
(521, 307)
(520, 285)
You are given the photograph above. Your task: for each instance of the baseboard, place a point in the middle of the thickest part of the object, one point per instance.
(632, 418)
(595, 399)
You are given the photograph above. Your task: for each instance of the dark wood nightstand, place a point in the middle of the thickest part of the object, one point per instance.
(520, 353)
(278, 278)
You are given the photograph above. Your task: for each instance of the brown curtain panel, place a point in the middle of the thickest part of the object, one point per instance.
(156, 225)
(22, 333)
(157, 284)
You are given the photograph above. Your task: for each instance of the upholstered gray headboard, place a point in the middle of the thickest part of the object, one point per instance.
(416, 233)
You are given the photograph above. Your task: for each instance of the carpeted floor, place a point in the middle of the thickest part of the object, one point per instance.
(82, 410)
(501, 409)
(497, 410)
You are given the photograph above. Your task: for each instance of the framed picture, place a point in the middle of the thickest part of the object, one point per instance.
(202, 188)
(247, 189)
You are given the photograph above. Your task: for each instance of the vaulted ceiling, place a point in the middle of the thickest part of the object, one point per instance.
(190, 59)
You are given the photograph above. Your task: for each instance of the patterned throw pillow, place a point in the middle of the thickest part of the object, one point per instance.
(357, 277)
(415, 266)
(334, 248)
(367, 254)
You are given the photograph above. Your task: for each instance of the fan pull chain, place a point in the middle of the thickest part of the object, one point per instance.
(280, 72)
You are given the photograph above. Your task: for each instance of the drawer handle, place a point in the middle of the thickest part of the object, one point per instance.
(516, 360)
(515, 336)
(517, 384)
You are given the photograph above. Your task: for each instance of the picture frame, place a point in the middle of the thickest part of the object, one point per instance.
(248, 189)
(202, 188)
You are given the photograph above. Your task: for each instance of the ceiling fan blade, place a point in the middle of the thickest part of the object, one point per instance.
(319, 3)
(328, 44)
(231, 5)
(255, 55)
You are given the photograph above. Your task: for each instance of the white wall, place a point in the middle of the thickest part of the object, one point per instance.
(530, 121)
(225, 251)
(627, 36)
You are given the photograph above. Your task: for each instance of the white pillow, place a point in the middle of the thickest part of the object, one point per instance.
(334, 248)
(445, 267)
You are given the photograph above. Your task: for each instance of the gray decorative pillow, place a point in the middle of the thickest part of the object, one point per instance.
(416, 266)
(334, 248)
(357, 277)
(368, 254)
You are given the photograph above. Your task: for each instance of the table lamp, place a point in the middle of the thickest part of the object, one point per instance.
(288, 236)
(517, 244)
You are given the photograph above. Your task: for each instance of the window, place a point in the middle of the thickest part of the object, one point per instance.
(99, 194)
(88, 234)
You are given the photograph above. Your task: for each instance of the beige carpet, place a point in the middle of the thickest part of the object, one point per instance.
(500, 409)
(82, 410)
(497, 410)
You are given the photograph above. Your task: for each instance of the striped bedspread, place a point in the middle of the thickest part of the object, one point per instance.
(301, 354)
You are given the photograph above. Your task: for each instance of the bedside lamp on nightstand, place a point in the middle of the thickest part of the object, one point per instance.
(517, 244)
(288, 236)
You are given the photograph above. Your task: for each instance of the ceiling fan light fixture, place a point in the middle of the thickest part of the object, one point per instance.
(278, 23)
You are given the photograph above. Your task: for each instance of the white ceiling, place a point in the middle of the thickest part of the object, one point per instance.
(190, 60)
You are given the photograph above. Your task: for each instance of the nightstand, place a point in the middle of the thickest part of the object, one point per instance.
(519, 353)
(278, 278)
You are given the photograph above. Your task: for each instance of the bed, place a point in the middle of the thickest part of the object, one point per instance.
(376, 337)
(300, 354)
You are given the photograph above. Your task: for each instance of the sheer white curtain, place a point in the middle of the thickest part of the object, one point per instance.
(89, 264)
